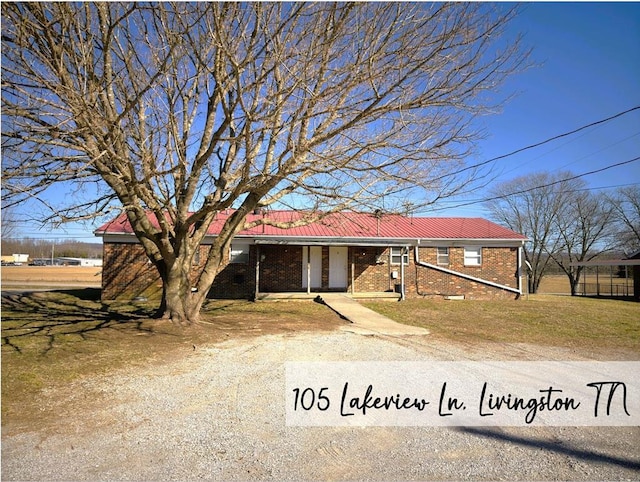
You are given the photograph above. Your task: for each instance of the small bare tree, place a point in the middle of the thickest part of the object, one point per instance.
(176, 111)
(9, 225)
(529, 205)
(563, 221)
(583, 228)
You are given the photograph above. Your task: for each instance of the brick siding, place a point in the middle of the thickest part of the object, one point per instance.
(127, 273)
(499, 265)
(280, 268)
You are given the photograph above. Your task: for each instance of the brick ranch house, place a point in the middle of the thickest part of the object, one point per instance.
(355, 253)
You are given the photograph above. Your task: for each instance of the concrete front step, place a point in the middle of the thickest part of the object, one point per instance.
(366, 321)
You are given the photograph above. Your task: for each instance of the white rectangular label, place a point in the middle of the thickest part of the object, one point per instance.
(438, 393)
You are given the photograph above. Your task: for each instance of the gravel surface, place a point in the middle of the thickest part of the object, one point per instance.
(218, 413)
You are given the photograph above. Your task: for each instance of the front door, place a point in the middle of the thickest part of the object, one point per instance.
(338, 267)
(316, 267)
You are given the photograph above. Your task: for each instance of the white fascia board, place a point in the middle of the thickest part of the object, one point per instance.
(461, 242)
(341, 241)
(338, 241)
(353, 241)
(118, 238)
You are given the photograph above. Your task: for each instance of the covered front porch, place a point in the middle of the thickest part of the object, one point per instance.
(293, 271)
(304, 295)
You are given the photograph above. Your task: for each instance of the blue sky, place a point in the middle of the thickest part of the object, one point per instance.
(589, 69)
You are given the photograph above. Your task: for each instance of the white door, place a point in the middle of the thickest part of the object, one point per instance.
(316, 267)
(338, 267)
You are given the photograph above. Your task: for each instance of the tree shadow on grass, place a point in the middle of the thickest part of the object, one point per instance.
(41, 321)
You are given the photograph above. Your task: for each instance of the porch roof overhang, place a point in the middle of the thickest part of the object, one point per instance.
(345, 241)
(328, 241)
(379, 241)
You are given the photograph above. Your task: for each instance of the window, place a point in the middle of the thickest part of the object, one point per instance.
(239, 253)
(396, 256)
(442, 256)
(472, 256)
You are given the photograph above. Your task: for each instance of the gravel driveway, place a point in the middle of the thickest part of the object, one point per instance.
(218, 413)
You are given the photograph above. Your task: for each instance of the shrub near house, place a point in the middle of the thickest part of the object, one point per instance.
(350, 252)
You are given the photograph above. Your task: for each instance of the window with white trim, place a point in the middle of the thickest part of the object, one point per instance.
(239, 254)
(442, 256)
(472, 256)
(397, 256)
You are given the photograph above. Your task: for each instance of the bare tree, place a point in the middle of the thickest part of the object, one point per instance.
(530, 205)
(564, 221)
(625, 203)
(176, 111)
(9, 226)
(583, 230)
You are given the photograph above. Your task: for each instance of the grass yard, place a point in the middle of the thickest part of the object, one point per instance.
(563, 321)
(50, 339)
(554, 284)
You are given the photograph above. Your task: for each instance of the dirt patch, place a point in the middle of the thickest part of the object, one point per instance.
(101, 391)
(216, 413)
(51, 274)
(52, 339)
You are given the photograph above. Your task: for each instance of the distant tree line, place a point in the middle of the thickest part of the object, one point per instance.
(566, 222)
(42, 248)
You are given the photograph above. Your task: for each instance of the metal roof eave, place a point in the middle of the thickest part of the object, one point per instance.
(342, 241)
(358, 241)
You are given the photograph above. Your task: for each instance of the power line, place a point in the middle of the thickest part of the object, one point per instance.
(538, 144)
(571, 178)
(589, 188)
(575, 160)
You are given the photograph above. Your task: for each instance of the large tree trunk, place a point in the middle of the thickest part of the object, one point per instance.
(185, 291)
(181, 302)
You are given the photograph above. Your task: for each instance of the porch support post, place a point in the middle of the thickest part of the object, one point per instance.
(611, 281)
(626, 280)
(403, 251)
(308, 269)
(353, 270)
(257, 291)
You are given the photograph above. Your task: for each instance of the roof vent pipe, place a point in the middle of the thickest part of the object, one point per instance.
(378, 215)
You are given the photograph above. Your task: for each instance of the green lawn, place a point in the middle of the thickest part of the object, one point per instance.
(563, 321)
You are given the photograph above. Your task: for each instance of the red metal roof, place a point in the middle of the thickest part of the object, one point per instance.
(351, 225)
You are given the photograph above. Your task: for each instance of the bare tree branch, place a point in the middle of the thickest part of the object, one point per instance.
(186, 109)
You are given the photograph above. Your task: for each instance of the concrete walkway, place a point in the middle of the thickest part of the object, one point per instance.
(365, 321)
